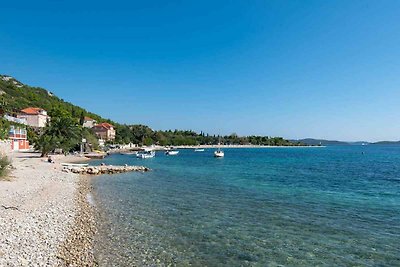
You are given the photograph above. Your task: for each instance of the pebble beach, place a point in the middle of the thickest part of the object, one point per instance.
(45, 216)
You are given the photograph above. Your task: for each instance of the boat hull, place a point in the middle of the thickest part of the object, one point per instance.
(146, 155)
(171, 153)
(219, 154)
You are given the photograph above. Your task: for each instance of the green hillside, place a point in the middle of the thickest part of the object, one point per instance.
(15, 96)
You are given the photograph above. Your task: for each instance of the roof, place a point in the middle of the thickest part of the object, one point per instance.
(32, 111)
(88, 119)
(104, 125)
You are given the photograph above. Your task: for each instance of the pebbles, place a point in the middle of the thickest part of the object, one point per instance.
(31, 234)
(77, 249)
(48, 220)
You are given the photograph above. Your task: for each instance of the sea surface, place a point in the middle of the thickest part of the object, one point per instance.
(330, 206)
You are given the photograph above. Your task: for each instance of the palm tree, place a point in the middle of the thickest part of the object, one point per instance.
(60, 132)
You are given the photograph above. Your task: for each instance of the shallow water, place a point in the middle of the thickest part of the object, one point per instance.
(255, 207)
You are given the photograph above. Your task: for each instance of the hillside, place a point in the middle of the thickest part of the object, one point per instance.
(15, 96)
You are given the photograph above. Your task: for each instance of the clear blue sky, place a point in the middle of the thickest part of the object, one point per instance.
(323, 69)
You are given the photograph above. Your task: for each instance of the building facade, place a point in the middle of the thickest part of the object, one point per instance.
(104, 131)
(89, 122)
(18, 137)
(35, 117)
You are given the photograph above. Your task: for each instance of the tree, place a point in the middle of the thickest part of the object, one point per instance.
(60, 132)
(45, 144)
(92, 142)
(4, 128)
(82, 118)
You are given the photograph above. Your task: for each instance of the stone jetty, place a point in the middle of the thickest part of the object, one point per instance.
(106, 169)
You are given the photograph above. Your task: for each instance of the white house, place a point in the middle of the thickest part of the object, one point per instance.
(35, 117)
(89, 122)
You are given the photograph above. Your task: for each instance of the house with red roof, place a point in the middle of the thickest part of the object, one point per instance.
(35, 117)
(104, 131)
(89, 122)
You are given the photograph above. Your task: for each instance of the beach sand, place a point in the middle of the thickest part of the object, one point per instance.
(45, 218)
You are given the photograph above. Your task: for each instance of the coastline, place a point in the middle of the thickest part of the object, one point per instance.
(78, 248)
(163, 148)
(227, 146)
(45, 215)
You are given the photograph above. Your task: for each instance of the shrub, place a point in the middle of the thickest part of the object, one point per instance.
(4, 163)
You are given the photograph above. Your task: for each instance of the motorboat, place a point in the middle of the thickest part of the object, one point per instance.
(146, 154)
(219, 153)
(129, 153)
(199, 150)
(171, 152)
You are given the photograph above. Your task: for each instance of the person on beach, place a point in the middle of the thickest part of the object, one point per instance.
(50, 160)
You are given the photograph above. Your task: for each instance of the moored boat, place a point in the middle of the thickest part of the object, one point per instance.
(129, 153)
(74, 165)
(219, 153)
(146, 154)
(171, 152)
(95, 155)
(199, 150)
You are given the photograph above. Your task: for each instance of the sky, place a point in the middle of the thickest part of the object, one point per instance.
(296, 69)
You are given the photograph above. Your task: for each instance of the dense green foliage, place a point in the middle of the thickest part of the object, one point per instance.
(60, 133)
(4, 127)
(15, 96)
(141, 134)
(92, 142)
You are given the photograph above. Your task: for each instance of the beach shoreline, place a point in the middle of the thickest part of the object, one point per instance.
(78, 248)
(45, 215)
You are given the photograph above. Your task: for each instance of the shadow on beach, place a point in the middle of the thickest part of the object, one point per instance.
(27, 155)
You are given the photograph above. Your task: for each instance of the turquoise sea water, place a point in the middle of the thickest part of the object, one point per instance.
(333, 206)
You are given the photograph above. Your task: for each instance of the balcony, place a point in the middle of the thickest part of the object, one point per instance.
(17, 133)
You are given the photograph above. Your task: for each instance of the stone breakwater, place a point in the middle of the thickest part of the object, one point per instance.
(97, 170)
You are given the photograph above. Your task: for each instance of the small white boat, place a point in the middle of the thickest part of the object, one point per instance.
(129, 153)
(146, 154)
(171, 152)
(70, 165)
(199, 150)
(219, 153)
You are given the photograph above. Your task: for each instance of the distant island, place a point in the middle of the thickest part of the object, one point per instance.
(386, 143)
(323, 142)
